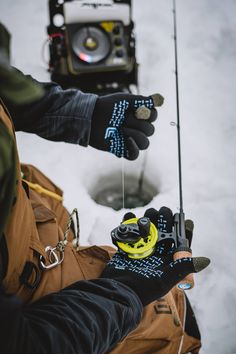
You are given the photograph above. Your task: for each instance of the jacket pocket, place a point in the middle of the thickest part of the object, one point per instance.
(92, 260)
(159, 331)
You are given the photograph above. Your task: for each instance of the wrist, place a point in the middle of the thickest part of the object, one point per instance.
(143, 291)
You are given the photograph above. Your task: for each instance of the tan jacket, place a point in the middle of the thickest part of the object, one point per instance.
(39, 220)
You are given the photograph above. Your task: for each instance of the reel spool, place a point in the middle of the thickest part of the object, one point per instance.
(136, 240)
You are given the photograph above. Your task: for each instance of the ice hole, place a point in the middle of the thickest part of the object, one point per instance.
(108, 191)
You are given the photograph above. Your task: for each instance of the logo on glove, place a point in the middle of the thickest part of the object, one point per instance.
(111, 132)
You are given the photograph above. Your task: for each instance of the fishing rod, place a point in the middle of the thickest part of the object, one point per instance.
(179, 218)
(137, 237)
(177, 112)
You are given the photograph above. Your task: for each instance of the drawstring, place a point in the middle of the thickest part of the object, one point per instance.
(41, 190)
(76, 238)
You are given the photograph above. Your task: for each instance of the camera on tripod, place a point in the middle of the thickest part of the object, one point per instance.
(92, 45)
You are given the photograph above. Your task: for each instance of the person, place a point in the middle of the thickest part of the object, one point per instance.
(57, 296)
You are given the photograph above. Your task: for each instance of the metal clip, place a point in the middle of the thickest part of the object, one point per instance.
(53, 254)
(53, 258)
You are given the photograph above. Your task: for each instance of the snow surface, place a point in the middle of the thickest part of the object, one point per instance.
(207, 66)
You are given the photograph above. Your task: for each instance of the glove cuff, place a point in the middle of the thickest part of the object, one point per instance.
(134, 282)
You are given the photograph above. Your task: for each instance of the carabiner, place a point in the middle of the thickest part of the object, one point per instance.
(53, 258)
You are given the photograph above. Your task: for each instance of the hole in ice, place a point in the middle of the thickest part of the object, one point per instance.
(108, 191)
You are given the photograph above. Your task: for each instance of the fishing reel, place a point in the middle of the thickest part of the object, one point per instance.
(138, 238)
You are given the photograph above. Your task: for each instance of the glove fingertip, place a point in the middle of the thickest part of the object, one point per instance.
(200, 263)
(132, 150)
(145, 145)
(153, 115)
(151, 130)
(158, 99)
(152, 214)
(189, 226)
(128, 216)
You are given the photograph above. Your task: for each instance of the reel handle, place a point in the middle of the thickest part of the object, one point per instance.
(143, 112)
(188, 282)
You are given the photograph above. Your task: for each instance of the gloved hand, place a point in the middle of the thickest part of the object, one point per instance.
(116, 129)
(152, 277)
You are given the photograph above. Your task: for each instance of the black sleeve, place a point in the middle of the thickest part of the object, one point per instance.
(89, 317)
(61, 115)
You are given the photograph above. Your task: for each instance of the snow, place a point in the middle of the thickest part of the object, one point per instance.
(207, 51)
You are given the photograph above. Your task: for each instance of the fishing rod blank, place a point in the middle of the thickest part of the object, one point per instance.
(179, 218)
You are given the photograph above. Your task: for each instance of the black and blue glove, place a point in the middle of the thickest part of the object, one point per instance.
(152, 277)
(115, 127)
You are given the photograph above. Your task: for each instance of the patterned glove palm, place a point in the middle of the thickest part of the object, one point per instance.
(154, 276)
(115, 127)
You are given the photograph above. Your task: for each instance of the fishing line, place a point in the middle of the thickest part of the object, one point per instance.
(141, 175)
(143, 166)
(142, 172)
(123, 181)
